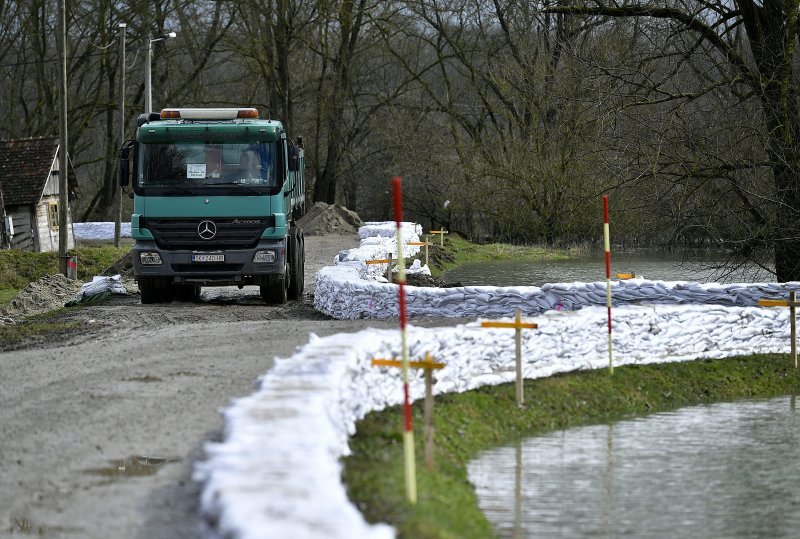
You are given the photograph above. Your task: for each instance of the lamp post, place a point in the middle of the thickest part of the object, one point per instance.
(148, 89)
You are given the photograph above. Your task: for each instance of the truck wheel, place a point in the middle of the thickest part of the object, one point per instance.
(186, 292)
(275, 292)
(301, 275)
(295, 267)
(152, 291)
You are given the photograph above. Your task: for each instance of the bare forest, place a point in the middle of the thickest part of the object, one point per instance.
(507, 120)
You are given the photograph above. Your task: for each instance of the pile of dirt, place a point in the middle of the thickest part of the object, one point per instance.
(123, 266)
(45, 294)
(439, 257)
(324, 219)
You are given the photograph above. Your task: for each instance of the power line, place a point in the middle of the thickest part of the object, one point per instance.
(88, 39)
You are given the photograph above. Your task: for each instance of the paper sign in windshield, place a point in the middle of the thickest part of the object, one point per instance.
(195, 170)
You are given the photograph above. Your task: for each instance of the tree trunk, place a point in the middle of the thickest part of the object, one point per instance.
(787, 230)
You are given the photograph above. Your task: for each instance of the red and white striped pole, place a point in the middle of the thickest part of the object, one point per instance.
(607, 242)
(408, 426)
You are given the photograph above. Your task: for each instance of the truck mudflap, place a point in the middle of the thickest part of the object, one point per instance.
(259, 265)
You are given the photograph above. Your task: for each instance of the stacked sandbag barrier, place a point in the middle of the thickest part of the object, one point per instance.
(351, 289)
(278, 471)
(378, 242)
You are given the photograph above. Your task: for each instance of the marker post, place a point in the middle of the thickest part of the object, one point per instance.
(517, 325)
(429, 365)
(792, 304)
(387, 261)
(441, 233)
(607, 243)
(420, 244)
(408, 427)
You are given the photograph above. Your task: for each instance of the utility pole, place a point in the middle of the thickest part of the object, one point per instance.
(63, 166)
(5, 236)
(117, 187)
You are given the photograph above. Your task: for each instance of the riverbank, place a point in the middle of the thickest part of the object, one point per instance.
(457, 251)
(470, 422)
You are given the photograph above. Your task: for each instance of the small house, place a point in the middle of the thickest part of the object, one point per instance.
(29, 195)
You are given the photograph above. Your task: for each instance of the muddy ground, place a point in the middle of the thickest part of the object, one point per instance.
(100, 426)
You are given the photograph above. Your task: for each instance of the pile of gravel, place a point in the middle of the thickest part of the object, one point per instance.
(46, 294)
(324, 219)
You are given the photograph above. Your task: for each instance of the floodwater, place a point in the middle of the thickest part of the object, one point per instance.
(716, 471)
(698, 266)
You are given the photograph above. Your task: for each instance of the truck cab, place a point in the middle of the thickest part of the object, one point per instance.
(216, 195)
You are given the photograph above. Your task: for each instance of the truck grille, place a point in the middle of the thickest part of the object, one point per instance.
(177, 234)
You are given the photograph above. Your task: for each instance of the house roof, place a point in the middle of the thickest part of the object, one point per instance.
(24, 168)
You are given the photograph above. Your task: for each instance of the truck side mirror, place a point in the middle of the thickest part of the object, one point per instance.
(124, 166)
(294, 158)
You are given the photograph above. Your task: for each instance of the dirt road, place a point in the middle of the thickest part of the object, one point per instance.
(99, 429)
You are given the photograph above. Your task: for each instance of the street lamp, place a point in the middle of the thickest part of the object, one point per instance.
(148, 90)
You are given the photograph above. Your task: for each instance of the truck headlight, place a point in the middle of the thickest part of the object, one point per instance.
(150, 258)
(264, 257)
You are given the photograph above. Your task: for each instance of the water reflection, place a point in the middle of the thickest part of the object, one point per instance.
(701, 267)
(133, 466)
(717, 471)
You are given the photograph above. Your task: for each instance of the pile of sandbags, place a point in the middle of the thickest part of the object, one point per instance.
(350, 289)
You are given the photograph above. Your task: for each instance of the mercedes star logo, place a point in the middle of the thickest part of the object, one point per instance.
(206, 230)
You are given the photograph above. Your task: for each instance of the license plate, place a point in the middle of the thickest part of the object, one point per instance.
(208, 258)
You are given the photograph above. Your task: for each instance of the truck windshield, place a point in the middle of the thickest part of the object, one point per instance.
(209, 167)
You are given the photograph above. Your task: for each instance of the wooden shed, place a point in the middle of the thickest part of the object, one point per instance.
(29, 194)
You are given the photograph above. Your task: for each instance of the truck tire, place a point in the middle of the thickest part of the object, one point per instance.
(295, 265)
(153, 291)
(275, 292)
(302, 265)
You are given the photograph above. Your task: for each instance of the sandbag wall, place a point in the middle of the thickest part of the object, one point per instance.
(278, 473)
(351, 289)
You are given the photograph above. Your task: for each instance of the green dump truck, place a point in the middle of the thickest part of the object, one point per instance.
(216, 195)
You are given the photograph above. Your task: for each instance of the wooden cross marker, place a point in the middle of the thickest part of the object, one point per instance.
(517, 325)
(428, 364)
(420, 244)
(388, 261)
(792, 304)
(441, 233)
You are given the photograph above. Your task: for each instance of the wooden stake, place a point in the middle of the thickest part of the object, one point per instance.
(792, 304)
(441, 233)
(518, 325)
(429, 430)
(428, 365)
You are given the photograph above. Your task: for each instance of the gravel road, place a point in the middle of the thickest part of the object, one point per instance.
(100, 427)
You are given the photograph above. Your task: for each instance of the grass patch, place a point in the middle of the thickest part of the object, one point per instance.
(458, 251)
(6, 294)
(470, 422)
(18, 268)
(12, 335)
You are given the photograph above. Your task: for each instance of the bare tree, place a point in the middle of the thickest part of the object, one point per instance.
(752, 47)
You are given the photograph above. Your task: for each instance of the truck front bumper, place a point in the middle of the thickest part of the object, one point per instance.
(211, 267)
